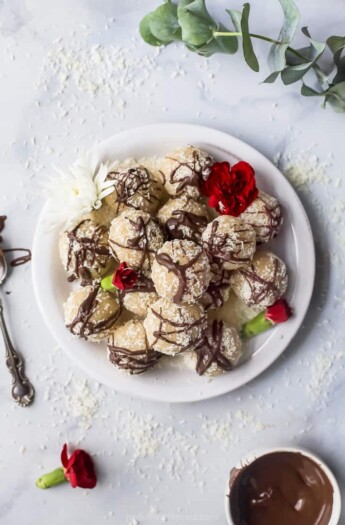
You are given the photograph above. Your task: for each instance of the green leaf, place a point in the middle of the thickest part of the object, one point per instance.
(292, 74)
(335, 96)
(309, 92)
(337, 46)
(196, 23)
(235, 16)
(161, 27)
(272, 77)
(277, 57)
(164, 24)
(248, 50)
(146, 33)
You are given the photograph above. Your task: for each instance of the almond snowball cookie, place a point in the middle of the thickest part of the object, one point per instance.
(181, 271)
(90, 313)
(129, 350)
(84, 251)
(229, 242)
(138, 302)
(265, 216)
(134, 188)
(135, 238)
(219, 351)
(263, 282)
(172, 328)
(183, 170)
(183, 218)
(218, 290)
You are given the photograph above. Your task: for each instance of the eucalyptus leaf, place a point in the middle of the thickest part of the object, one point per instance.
(146, 33)
(277, 58)
(196, 24)
(335, 96)
(291, 74)
(248, 50)
(337, 46)
(235, 16)
(164, 24)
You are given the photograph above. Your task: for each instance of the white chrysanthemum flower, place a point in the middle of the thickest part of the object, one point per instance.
(77, 190)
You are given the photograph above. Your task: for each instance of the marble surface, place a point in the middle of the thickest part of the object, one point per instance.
(75, 72)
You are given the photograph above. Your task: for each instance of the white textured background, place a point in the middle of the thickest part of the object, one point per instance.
(74, 72)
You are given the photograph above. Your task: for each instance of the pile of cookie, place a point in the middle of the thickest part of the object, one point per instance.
(182, 258)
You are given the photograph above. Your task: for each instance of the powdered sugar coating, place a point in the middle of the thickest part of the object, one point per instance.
(263, 282)
(229, 242)
(183, 218)
(139, 302)
(135, 237)
(264, 215)
(129, 350)
(134, 188)
(186, 276)
(172, 328)
(184, 168)
(104, 314)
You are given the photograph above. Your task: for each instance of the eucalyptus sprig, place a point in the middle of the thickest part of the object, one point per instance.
(190, 22)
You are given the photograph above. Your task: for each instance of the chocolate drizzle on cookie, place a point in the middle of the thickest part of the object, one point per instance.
(131, 185)
(82, 325)
(169, 331)
(185, 225)
(266, 222)
(210, 350)
(214, 297)
(84, 251)
(180, 270)
(133, 361)
(218, 245)
(196, 168)
(260, 287)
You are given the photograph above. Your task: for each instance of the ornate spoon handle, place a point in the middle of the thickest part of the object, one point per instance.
(22, 390)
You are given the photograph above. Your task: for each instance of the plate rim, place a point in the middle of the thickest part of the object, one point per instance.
(205, 393)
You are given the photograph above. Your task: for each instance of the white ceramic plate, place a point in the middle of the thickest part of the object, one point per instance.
(169, 382)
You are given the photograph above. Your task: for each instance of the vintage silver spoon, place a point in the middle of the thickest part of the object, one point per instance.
(22, 390)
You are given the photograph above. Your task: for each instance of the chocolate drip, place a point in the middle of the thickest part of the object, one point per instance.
(84, 314)
(184, 219)
(259, 287)
(217, 288)
(285, 488)
(139, 242)
(22, 259)
(177, 329)
(83, 252)
(210, 349)
(143, 284)
(195, 169)
(134, 361)
(180, 270)
(131, 183)
(274, 220)
(2, 224)
(216, 247)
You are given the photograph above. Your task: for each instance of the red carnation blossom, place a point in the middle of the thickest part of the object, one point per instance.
(230, 190)
(124, 277)
(279, 312)
(79, 468)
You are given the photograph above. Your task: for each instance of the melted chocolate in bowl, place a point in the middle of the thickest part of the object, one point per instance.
(281, 488)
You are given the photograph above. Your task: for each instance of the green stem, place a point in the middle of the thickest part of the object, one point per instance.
(256, 326)
(51, 479)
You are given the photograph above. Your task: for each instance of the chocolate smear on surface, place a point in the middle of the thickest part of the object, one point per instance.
(285, 488)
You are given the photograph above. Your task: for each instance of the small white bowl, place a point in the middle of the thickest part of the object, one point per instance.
(252, 456)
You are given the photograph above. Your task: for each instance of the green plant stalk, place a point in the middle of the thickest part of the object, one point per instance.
(256, 326)
(51, 479)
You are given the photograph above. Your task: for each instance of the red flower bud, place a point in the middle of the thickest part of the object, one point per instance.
(124, 277)
(79, 469)
(230, 190)
(279, 312)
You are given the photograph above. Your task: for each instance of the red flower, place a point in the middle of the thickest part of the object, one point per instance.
(279, 312)
(124, 277)
(230, 190)
(79, 469)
